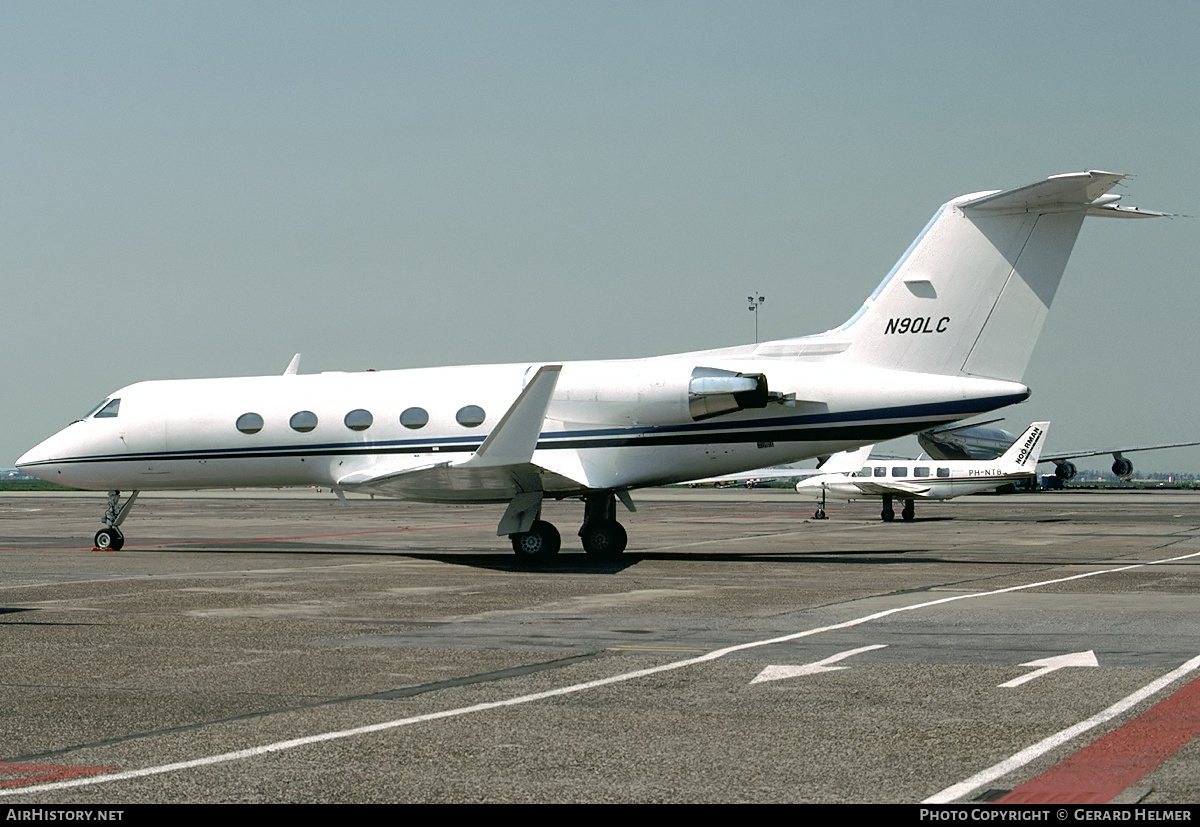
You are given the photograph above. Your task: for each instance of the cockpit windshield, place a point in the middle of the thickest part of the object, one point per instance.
(107, 409)
(93, 409)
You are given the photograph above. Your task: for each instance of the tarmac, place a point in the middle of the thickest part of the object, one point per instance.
(263, 646)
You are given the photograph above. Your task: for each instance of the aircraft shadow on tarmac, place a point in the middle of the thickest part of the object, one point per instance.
(572, 563)
(579, 563)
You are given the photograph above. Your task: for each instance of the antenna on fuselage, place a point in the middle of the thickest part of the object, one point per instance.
(293, 366)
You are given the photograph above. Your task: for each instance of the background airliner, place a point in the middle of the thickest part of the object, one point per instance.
(947, 335)
(980, 442)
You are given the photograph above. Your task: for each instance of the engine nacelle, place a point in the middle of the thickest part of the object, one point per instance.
(1065, 471)
(653, 392)
(713, 391)
(1122, 467)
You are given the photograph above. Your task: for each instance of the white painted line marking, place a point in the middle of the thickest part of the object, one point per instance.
(279, 746)
(778, 673)
(1026, 755)
(1048, 665)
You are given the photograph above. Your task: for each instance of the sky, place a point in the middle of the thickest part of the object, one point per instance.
(203, 189)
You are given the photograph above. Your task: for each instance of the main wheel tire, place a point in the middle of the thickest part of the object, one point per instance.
(109, 539)
(604, 539)
(888, 515)
(541, 542)
(908, 514)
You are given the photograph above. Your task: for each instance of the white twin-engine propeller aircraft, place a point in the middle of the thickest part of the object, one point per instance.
(946, 336)
(911, 480)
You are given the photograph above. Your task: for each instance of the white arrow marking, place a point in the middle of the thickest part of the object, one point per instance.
(778, 673)
(1048, 665)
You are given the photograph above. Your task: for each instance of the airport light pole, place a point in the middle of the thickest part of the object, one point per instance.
(755, 304)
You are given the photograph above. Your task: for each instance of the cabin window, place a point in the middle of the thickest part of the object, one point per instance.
(110, 410)
(303, 421)
(249, 423)
(943, 472)
(358, 420)
(414, 418)
(921, 471)
(863, 472)
(880, 471)
(900, 471)
(470, 416)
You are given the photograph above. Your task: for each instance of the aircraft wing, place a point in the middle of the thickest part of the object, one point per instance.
(844, 462)
(1059, 457)
(452, 482)
(868, 488)
(502, 466)
(760, 475)
(898, 489)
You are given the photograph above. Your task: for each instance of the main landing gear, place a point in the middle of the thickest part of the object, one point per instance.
(908, 513)
(110, 537)
(541, 542)
(602, 537)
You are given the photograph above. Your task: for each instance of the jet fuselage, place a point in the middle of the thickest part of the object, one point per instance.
(628, 428)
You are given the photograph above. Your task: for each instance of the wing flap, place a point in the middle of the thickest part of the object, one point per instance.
(895, 488)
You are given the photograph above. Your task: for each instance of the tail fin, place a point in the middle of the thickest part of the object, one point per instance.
(970, 295)
(846, 462)
(1023, 455)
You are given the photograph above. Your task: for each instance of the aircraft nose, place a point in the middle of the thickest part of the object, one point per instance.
(35, 456)
(39, 460)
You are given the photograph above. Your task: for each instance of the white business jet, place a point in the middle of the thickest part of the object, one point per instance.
(911, 480)
(947, 335)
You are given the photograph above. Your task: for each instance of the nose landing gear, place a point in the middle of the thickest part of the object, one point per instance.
(110, 537)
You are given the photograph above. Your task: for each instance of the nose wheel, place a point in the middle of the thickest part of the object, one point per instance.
(109, 539)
